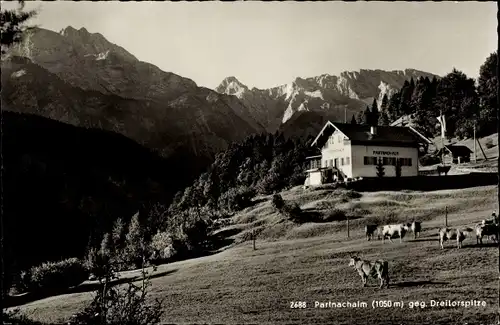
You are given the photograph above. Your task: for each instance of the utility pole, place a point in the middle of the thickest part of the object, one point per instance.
(345, 114)
(442, 136)
(442, 150)
(446, 216)
(347, 226)
(475, 156)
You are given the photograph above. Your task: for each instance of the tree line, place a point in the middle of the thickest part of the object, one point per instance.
(462, 100)
(264, 164)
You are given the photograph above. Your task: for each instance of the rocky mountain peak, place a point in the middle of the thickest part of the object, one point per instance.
(231, 86)
(343, 95)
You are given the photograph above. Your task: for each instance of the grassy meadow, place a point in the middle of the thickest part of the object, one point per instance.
(309, 262)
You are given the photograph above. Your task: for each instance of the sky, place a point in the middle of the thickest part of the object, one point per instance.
(266, 44)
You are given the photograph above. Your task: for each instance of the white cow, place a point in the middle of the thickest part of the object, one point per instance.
(391, 230)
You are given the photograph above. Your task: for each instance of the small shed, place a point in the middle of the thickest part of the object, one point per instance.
(456, 153)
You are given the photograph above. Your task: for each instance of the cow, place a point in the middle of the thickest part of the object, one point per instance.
(391, 230)
(446, 234)
(369, 230)
(415, 228)
(462, 234)
(486, 230)
(379, 268)
(493, 220)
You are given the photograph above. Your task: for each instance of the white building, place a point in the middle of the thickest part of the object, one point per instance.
(351, 151)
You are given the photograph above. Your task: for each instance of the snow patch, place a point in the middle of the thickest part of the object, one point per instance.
(234, 88)
(316, 94)
(345, 88)
(290, 91)
(290, 110)
(102, 56)
(385, 89)
(303, 107)
(18, 74)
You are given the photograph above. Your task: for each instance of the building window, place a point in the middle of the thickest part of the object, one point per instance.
(339, 137)
(348, 161)
(342, 161)
(331, 162)
(370, 160)
(385, 161)
(406, 162)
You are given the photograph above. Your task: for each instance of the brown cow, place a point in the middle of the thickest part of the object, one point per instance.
(369, 231)
(486, 230)
(446, 234)
(379, 268)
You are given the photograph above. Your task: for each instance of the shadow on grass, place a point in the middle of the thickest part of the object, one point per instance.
(23, 299)
(486, 245)
(423, 239)
(312, 215)
(226, 233)
(406, 284)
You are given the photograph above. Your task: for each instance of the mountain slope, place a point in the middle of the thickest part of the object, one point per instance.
(62, 184)
(183, 124)
(82, 79)
(340, 96)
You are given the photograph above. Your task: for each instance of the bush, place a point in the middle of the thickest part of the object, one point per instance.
(162, 247)
(115, 306)
(13, 317)
(350, 194)
(277, 202)
(96, 263)
(334, 215)
(236, 199)
(56, 275)
(429, 160)
(270, 183)
(292, 212)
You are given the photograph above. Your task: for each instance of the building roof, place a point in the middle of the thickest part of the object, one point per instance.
(360, 134)
(403, 121)
(458, 150)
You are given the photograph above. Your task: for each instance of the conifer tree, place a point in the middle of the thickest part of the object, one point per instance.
(367, 116)
(374, 116)
(13, 26)
(380, 168)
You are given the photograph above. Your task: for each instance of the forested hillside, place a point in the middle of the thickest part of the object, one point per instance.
(260, 164)
(65, 186)
(458, 97)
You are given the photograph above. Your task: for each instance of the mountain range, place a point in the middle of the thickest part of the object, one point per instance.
(82, 79)
(92, 82)
(339, 97)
